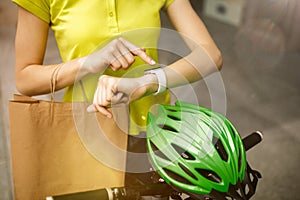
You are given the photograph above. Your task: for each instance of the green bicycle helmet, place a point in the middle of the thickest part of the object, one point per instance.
(199, 152)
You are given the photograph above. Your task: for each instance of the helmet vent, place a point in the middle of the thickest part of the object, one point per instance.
(186, 170)
(158, 152)
(168, 128)
(177, 177)
(172, 110)
(209, 114)
(174, 118)
(220, 148)
(183, 153)
(230, 128)
(240, 161)
(210, 175)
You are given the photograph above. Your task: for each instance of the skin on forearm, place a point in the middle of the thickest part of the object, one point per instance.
(32, 77)
(35, 79)
(198, 64)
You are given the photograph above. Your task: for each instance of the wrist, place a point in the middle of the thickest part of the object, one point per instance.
(160, 78)
(149, 82)
(88, 64)
(84, 69)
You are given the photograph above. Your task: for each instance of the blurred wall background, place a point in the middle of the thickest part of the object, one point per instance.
(8, 19)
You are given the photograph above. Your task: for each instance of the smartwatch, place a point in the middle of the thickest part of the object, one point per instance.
(161, 77)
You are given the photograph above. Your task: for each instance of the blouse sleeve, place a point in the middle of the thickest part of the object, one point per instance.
(39, 8)
(167, 3)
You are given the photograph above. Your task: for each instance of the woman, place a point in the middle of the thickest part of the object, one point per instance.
(109, 26)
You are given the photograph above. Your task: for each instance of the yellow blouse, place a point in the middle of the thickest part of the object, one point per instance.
(81, 27)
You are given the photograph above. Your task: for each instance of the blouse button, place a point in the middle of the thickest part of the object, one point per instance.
(111, 14)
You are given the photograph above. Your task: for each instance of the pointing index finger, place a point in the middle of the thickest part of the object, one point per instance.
(140, 52)
(145, 57)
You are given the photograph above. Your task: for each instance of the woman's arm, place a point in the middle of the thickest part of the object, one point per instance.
(33, 78)
(205, 57)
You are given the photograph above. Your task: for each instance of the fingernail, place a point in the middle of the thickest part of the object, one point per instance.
(109, 116)
(90, 109)
(152, 62)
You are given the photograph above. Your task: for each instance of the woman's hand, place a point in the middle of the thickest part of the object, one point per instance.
(118, 54)
(114, 90)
